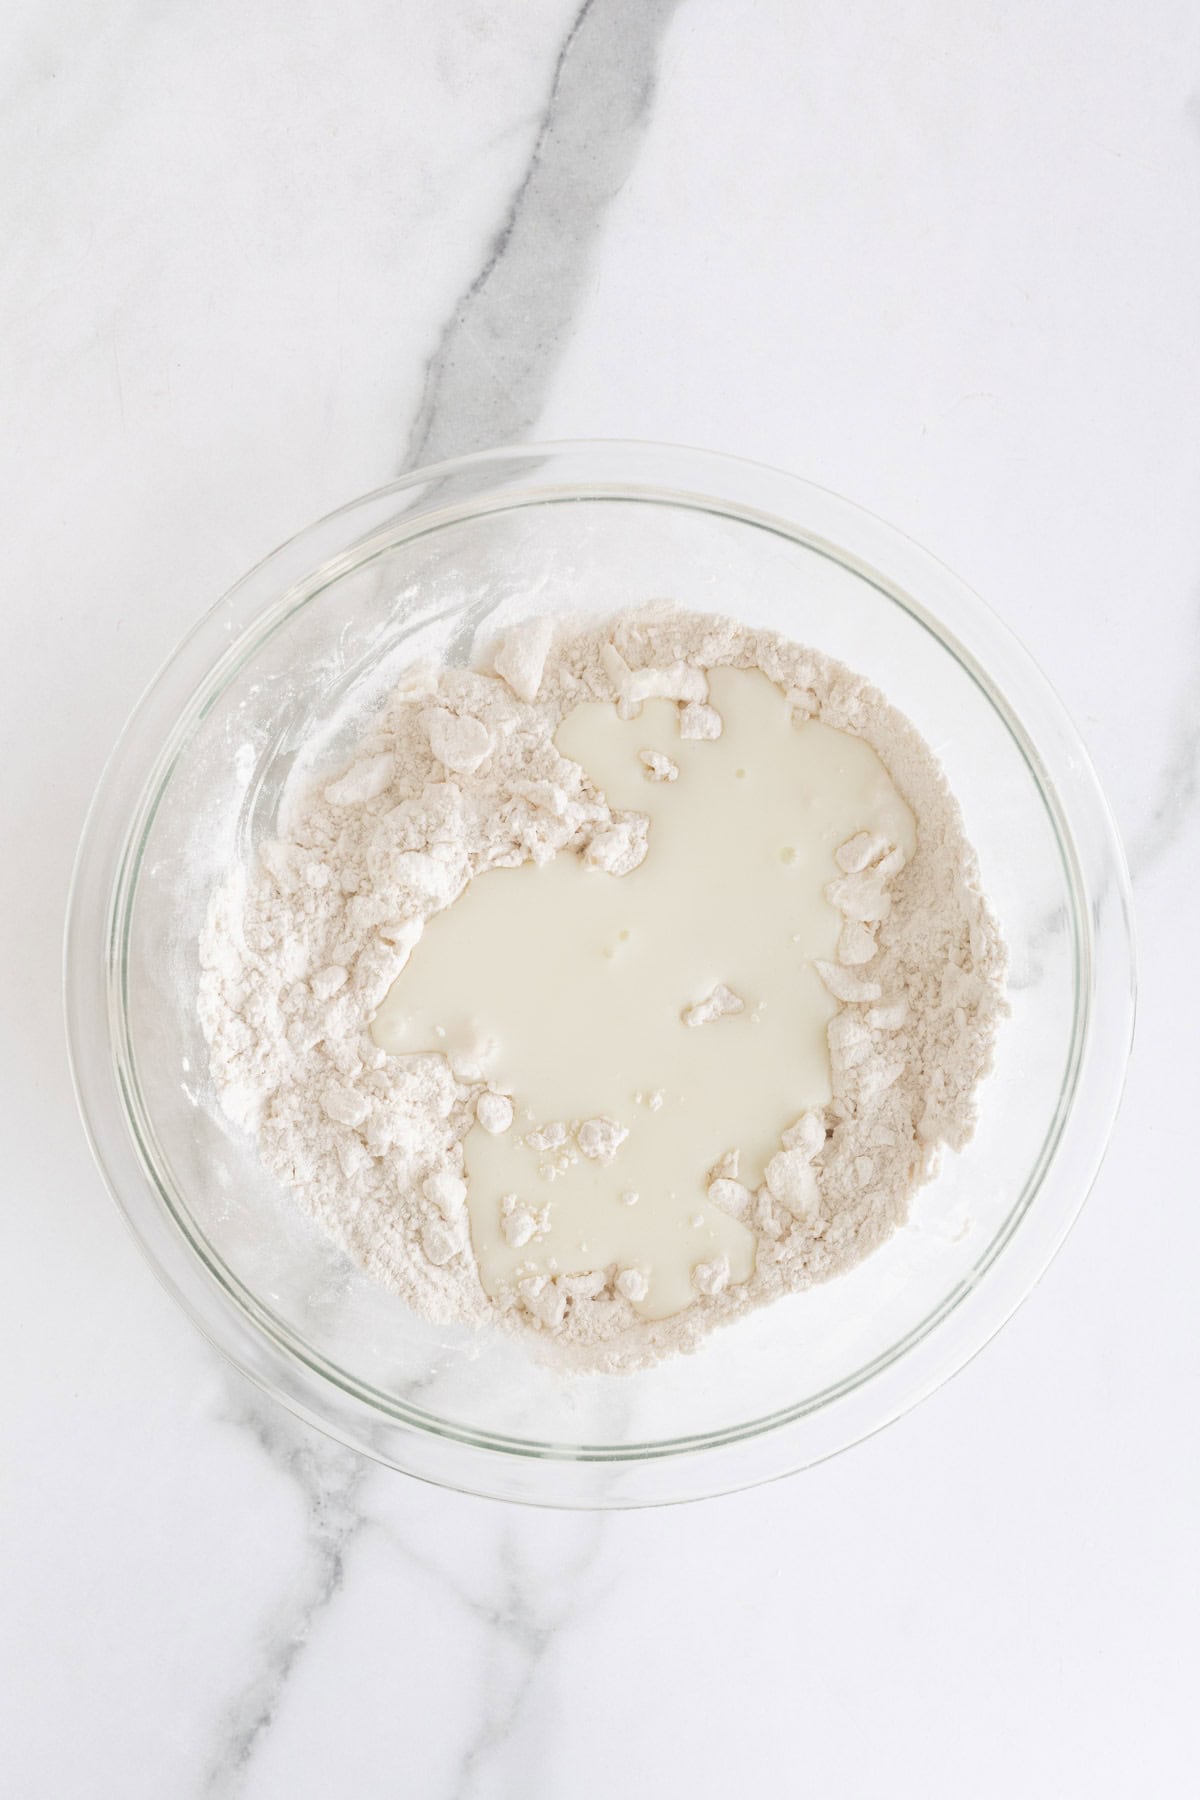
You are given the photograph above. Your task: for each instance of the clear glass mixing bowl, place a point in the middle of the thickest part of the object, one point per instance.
(307, 644)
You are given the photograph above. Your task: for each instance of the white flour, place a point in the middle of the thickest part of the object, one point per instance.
(459, 775)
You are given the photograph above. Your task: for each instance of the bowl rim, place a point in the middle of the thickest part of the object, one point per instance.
(399, 1434)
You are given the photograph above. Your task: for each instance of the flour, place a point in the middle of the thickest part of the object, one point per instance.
(459, 775)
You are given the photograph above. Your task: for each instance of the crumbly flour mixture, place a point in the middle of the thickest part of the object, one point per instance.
(459, 775)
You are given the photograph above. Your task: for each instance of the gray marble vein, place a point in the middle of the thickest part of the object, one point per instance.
(487, 378)
(1178, 785)
(328, 1478)
(526, 1620)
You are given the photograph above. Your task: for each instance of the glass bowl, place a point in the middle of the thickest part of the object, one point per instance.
(304, 648)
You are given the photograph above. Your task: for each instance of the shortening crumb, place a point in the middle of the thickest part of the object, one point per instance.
(459, 775)
(494, 1112)
(720, 1004)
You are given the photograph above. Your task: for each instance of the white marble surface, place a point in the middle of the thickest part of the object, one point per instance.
(257, 259)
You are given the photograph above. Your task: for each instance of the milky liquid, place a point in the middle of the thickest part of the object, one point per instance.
(568, 986)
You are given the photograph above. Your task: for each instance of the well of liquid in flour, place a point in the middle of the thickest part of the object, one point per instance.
(570, 989)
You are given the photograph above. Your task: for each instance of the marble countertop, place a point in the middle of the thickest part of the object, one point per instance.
(261, 259)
